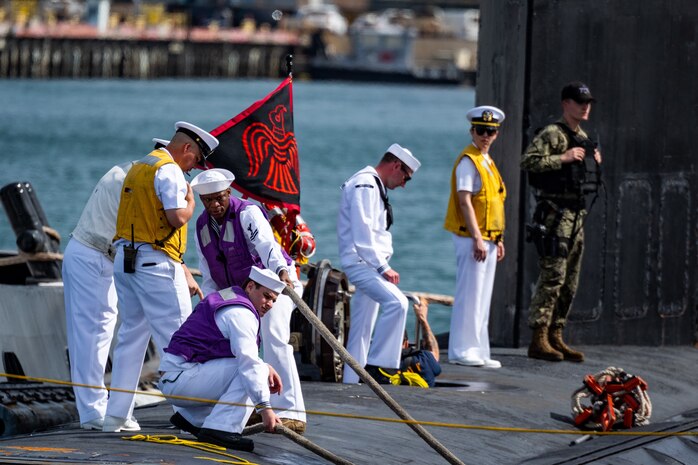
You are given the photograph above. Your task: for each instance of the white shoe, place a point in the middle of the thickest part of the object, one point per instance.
(95, 424)
(467, 361)
(116, 424)
(489, 363)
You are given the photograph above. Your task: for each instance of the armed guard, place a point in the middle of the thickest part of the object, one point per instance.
(563, 167)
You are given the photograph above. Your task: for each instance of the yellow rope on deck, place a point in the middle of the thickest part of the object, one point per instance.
(508, 429)
(204, 446)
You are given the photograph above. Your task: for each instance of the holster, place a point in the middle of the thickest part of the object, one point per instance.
(548, 244)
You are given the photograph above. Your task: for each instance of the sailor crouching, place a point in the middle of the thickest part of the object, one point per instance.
(215, 355)
(232, 235)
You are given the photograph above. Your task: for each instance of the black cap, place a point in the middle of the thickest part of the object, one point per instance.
(577, 91)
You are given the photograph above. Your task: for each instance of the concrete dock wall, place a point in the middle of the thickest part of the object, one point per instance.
(639, 281)
(139, 59)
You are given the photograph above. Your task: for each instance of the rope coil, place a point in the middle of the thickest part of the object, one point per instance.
(438, 424)
(615, 399)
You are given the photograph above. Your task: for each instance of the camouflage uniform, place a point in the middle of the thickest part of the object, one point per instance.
(559, 275)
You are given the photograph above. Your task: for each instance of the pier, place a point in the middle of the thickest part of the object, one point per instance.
(56, 57)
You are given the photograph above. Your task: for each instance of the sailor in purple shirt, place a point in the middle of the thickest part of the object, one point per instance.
(215, 355)
(232, 235)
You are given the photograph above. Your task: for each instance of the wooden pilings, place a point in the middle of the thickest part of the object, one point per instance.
(44, 58)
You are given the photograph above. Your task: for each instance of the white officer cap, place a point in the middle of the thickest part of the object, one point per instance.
(160, 142)
(485, 116)
(267, 278)
(206, 142)
(405, 156)
(212, 181)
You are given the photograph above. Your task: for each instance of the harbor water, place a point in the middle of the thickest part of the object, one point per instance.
(63, 135)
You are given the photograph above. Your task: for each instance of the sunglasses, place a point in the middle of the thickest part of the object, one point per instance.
(481, 130)
(403, 168)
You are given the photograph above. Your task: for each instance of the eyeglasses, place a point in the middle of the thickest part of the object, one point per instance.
(481, 130)
(202, 159)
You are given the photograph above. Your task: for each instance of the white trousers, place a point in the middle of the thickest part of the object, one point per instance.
(155, 299)
(471, 303)
(90, 314)
(276, 333)
(385, 348)
(217, 379)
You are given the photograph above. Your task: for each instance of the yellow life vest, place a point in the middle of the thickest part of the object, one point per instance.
(141, 209)
(488, 203)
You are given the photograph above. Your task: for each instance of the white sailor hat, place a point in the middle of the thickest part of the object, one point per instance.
(206, 142)
(267, 278)
(485, 116)
(405, 156)
(160, 142)
(212, 181)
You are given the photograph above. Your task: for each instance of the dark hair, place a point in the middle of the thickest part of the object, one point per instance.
(248, 280)
(389, 158)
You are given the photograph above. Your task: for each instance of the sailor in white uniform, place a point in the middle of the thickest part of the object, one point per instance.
(475, 217)
(215, 355)
(221, 232)
(153, 289)
(90, 296)
(365, 248)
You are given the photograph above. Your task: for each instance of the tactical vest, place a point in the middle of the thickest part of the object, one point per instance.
(488, 203)
(578, 178)
(141, 216)
(199, 339)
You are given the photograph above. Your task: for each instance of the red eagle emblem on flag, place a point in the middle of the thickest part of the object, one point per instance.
(271, 142)
(259, 147)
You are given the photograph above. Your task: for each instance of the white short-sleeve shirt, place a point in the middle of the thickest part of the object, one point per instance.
(170, 186)
(468, 177)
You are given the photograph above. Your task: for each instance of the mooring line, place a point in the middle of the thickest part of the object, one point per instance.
(350, 416)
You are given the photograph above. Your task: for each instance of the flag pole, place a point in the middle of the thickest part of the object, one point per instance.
(289, 64)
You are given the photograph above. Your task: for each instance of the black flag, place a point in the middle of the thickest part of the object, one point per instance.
(259, 147)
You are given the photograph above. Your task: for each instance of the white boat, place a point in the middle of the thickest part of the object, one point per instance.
(395, 47)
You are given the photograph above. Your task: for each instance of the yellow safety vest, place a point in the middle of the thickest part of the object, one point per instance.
(488, 203)
(141, 209)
